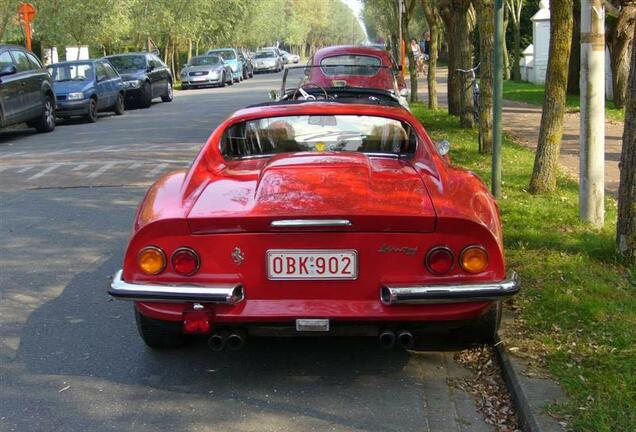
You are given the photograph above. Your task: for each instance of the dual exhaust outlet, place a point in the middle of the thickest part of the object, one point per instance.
(403, 338)
(234, 340)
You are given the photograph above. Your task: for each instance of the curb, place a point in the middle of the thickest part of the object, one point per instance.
(525, 415)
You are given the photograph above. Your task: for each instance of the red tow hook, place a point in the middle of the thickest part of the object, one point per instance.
(197, 320)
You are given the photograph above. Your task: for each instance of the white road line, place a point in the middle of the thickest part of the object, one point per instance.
(12, 154)
(135, 165)
(80, 167)
(102, 170)
(25, 169)
(156, 170)
(44, 172)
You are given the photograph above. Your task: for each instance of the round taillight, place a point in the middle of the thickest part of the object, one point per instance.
(474, 259)
(185, 261)
(151, 260)
(440, 260)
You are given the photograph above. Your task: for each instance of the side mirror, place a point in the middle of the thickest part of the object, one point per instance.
(273, 95)
(8, 70)
(443, 147)
(150, 68)
(404, 93)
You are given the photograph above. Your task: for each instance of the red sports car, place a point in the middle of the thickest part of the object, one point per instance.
(316, 217)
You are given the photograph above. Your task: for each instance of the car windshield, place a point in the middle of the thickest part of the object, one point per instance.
(350, 65)
(128, 62)
(319, 134)
(315, 79)
(71, 72)
(205, 60)
(265, 54)
(226, 54)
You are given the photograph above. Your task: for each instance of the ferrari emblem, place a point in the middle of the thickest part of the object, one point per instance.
(237, 256)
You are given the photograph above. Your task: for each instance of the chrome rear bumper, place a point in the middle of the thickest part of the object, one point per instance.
(217, 293)
(431, 294)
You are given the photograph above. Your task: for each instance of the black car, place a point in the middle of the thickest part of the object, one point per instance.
(248, 65)
(26, 91)
(145, 77)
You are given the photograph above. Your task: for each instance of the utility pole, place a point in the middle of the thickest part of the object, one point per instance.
(497, 94)
(592, 136)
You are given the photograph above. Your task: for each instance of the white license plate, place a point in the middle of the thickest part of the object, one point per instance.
(312, 264)
(199, 78)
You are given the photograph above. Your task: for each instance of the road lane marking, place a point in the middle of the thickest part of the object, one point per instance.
(135, 165)
(156, 170)
(102, 170)
(44, 172)
(80, 167)
(25, 169)
(7, 155)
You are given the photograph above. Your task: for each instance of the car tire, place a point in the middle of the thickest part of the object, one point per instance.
(91, 115)
(184, 86)
(484, 329)
(169, 94)
(119, 107)
(231, 80)
(159, 334)
(223, 81)
(146, 98)
(46, 121)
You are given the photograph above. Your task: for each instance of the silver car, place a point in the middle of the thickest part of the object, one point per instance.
(206, 70)
(267, 61)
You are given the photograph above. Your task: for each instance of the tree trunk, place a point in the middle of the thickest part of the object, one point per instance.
(516, 49)
(189, 49)
(626, 225)
(433, 20)
(620, 36)
(506, 56)
(408, 13)
(547, 157)
(574, 73)
(485, 21)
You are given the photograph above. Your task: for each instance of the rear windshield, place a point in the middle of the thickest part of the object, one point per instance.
(226, 54)
(265, 54)
(350, 65)
(206, 60)
(71, 72)
(318, 133)
(128, 62)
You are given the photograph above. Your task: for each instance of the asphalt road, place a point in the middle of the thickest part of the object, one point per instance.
(70, 357)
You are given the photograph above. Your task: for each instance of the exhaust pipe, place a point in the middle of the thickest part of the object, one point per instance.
(406, 339)
(217, 341)
(236, 340)
(387, 339)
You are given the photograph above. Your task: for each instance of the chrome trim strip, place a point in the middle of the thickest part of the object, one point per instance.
(219, 293)
(432, 294)
(310, 223)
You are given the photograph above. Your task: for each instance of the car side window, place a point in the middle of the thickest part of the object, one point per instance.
(157, 62)
(5, 59)
(35, 63)
(21, 61)
(101, 72)
(110, 72)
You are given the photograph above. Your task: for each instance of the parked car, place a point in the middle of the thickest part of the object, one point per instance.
(230, 56)
(317, 218)
(354, 63)
(278, 52)
(291, 58)
(267, 61)
(145, 77)
(26, 90)
(246, 64)
(206, 70)
(85, 87)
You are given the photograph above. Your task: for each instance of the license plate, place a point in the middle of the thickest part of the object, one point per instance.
(312, 264)
(199, 78)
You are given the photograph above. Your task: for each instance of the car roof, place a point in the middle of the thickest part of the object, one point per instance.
(127, 54)
(222, 49)
(278, 109)
(76, 62)
(350, 49)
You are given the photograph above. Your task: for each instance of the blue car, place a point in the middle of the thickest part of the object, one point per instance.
(85, 87)
(231, 58)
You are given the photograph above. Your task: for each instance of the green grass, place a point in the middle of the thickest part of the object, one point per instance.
(577, 309)
(533, 94)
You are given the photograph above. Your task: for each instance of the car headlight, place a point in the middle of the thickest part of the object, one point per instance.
(183, 73)
(234, 67)
(75, 96)
(214, 74)
(132, 84)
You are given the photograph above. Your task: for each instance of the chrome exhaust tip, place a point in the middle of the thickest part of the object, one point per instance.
(387, 339)
(217, 341)
(405, 339)
(236, 340)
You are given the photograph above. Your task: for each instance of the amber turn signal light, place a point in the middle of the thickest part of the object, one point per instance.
(474, 259)
(151, 260)
(185, 261)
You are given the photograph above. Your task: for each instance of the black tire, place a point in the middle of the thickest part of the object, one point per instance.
(46, 121)
(231, 80)
(169, 93)
(146, 97)
(252, 74)
(159, 334)
(91, 115)
(484, 329)
(223, 81)
(119, 107)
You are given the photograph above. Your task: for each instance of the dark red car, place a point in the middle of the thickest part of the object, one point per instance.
(312, 217)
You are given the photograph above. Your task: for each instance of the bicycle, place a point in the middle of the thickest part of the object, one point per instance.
(475, 86)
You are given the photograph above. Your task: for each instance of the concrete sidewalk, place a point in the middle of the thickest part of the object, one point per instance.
(522, 121)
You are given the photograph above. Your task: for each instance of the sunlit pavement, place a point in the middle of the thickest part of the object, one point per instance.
(70, 357)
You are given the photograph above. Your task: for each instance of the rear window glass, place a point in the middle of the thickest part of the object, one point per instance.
(350, 65)
(265, 54)
(71, 72)
(225, 54)
(318, 133)
(128, 62)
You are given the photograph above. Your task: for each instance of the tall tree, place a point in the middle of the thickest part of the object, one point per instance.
(626, 225)
(485, 22)
(8, 12)
(548, 148)
(574, 71)
(409, 8)
(514, 12)
(434, 25)
(619, 38)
